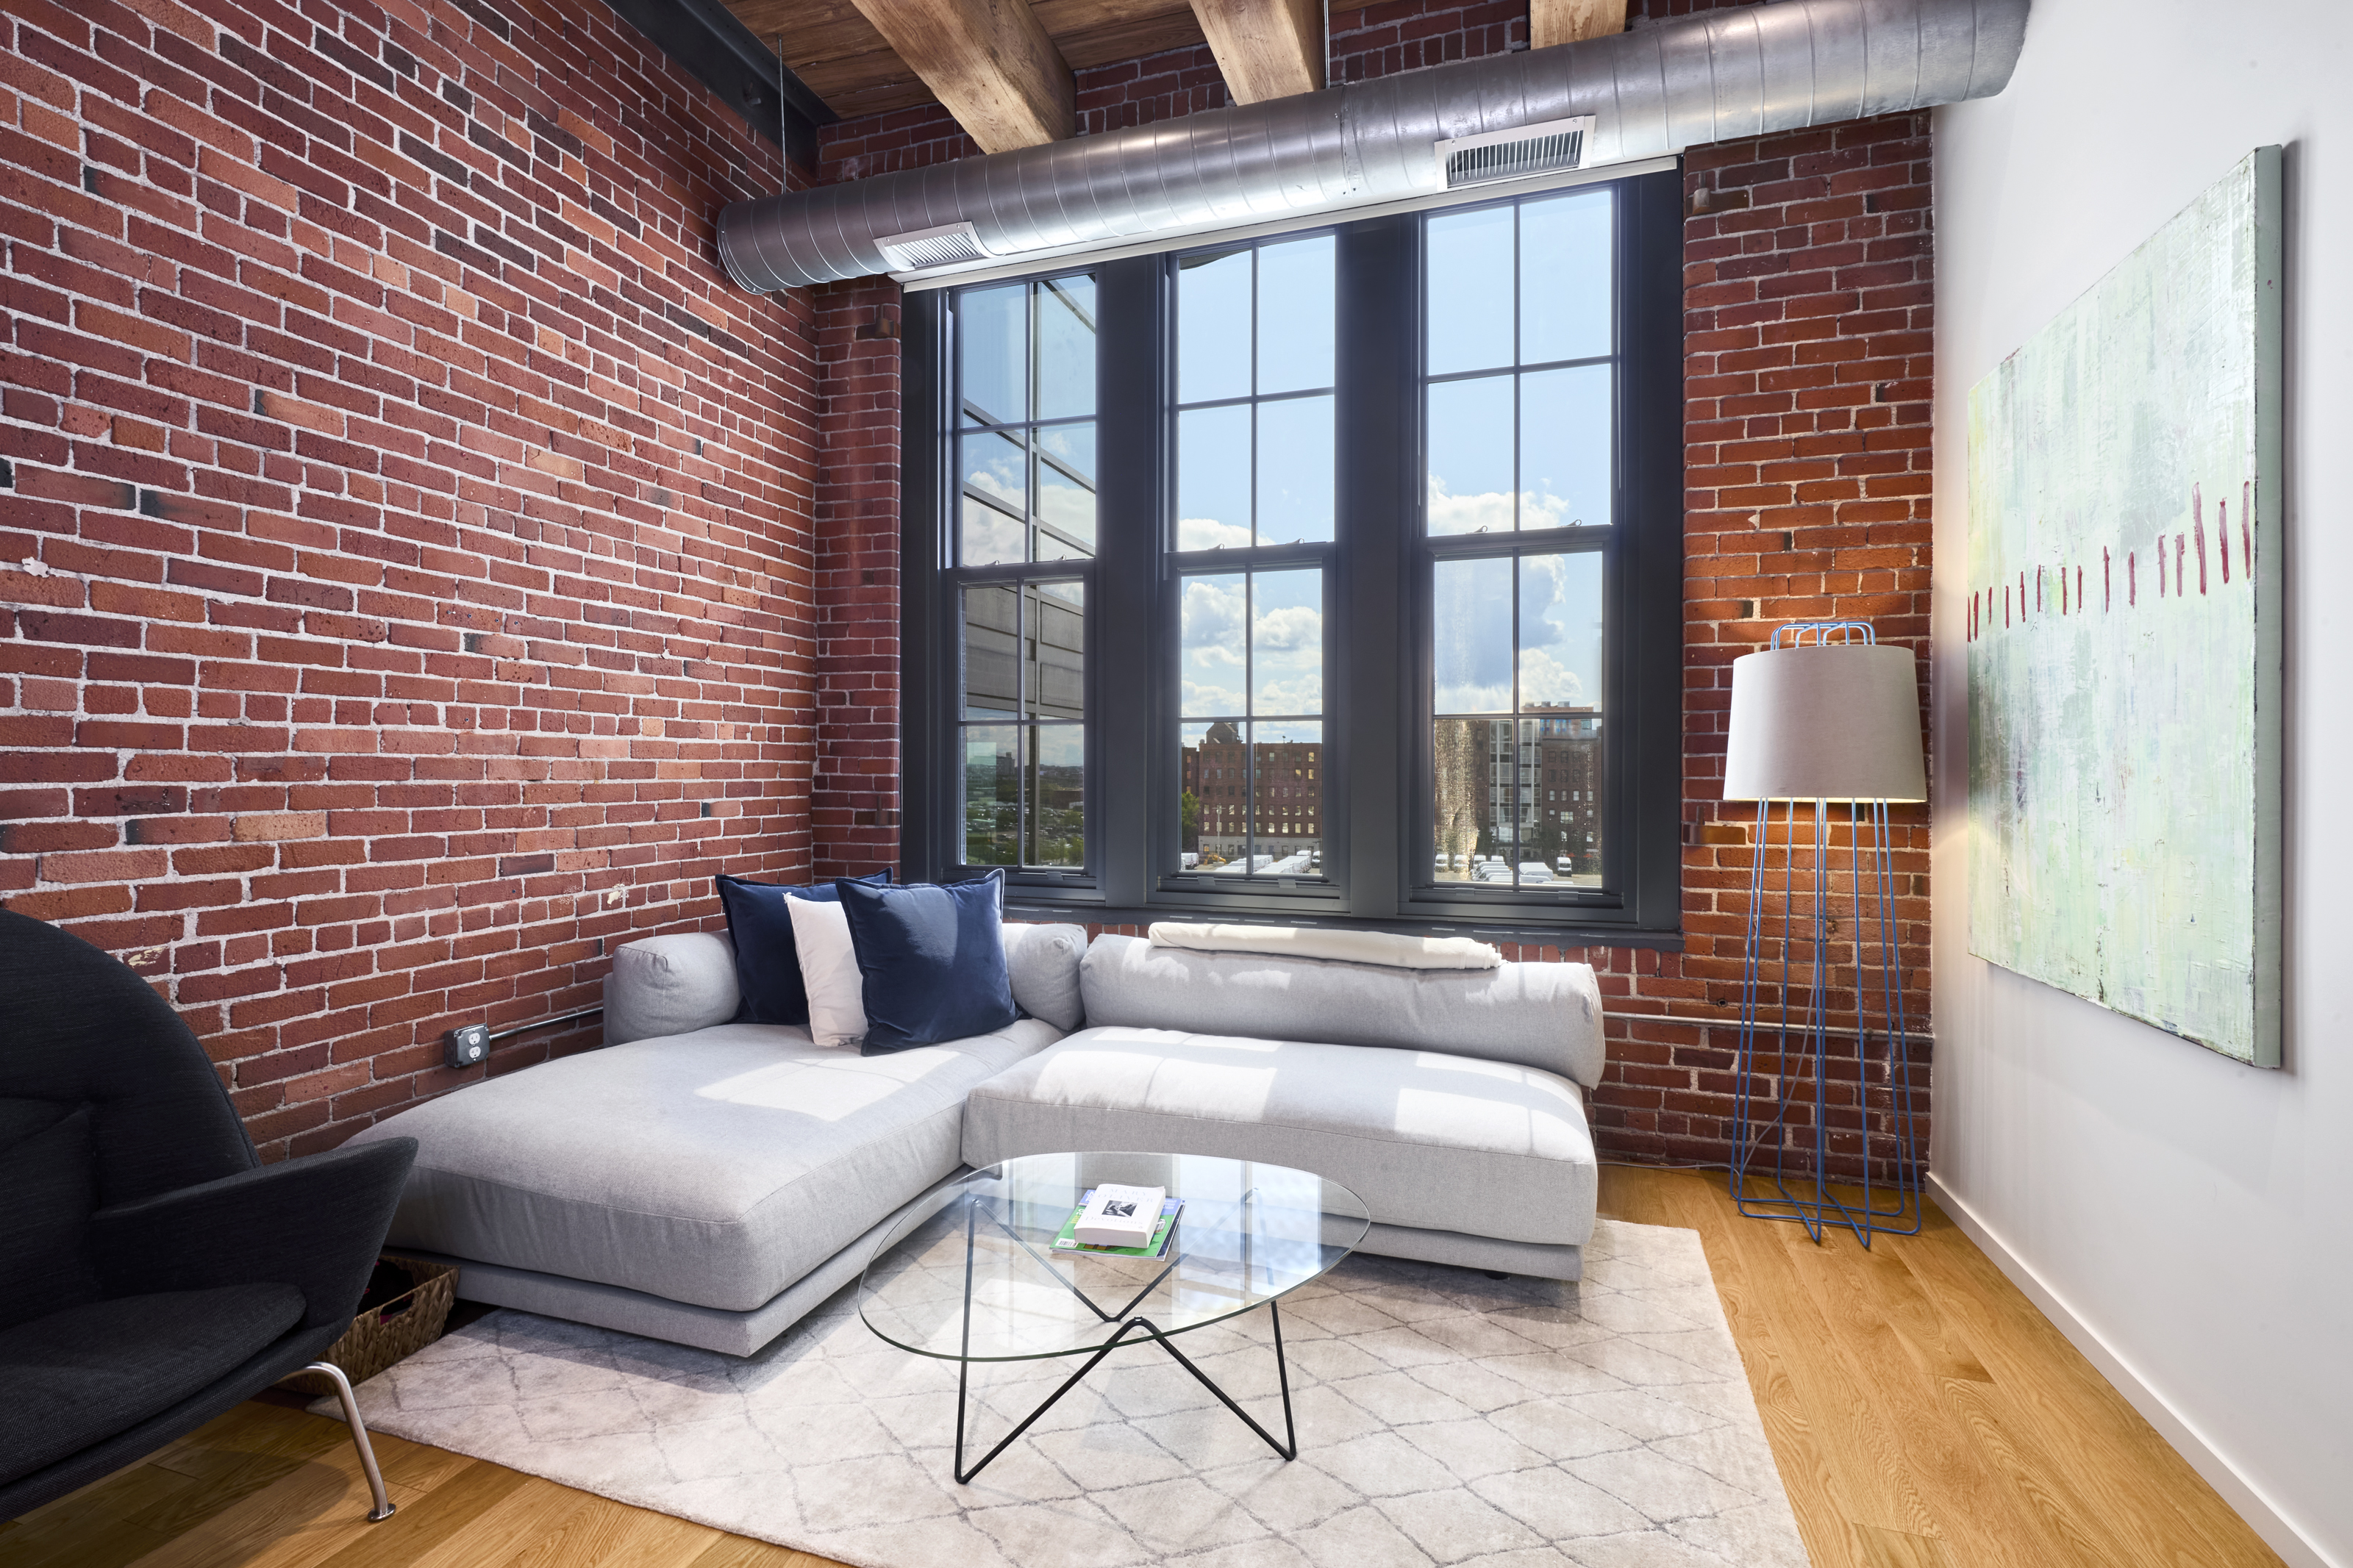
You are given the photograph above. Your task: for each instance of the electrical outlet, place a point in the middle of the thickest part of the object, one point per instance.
(465, 1046)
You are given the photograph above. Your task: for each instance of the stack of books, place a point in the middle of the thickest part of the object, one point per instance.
(1123, 1222)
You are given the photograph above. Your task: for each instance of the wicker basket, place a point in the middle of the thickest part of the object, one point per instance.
(401, 1327)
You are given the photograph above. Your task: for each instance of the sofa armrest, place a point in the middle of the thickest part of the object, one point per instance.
(316, 1223)
(669, 986)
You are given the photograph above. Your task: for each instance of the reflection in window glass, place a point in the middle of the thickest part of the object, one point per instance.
(1026, 465)
(1516, 743)
(1251, 658)
(1255, 345)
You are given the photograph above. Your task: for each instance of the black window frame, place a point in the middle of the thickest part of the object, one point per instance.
(1376, 808)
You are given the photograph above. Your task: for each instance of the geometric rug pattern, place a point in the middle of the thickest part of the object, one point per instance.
(1444, 1419)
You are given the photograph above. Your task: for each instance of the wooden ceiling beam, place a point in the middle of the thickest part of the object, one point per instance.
(1265, 49)
(1554, 22)
(989, 62)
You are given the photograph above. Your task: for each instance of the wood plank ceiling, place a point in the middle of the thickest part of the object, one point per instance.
(1003, 67)
(843, 57)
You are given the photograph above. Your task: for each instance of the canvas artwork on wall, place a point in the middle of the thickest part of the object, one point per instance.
(2124, 634)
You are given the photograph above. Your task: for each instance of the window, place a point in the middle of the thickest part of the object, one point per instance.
(1519, 398)
(1025, 525)
(1330, 575)
(1252, 542)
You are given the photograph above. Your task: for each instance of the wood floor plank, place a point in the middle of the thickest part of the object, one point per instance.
(2111, 1450)
(1921, 1413)
(1971, 1506)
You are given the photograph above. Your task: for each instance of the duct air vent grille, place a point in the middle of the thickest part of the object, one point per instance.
(1540, 149)
(940, 247)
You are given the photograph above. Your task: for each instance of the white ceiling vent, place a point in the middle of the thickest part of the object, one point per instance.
(940, 247)
(1541, 149)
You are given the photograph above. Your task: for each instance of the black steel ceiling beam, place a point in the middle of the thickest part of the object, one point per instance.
(703, 37)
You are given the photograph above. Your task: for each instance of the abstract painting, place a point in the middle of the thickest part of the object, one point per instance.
(2124, 634)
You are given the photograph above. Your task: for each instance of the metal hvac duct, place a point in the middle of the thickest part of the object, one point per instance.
(1724, 74)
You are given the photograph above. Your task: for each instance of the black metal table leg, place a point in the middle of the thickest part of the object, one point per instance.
(1287, 1450)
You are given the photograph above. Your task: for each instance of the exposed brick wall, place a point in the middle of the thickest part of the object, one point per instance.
(1806, 267)
(410, 534)
(854, 797)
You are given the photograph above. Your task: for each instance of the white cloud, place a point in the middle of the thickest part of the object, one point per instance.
(1544, 678)
(1208, 533)
(1303, 694)
(1490, 512)
(1290, 629)
(1202, 698)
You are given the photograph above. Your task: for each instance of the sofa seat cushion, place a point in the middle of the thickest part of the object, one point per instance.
(1426, 1140)
(713, 1168)
(80, 1376)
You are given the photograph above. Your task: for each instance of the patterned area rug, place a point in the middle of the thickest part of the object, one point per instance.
(1444, 1418)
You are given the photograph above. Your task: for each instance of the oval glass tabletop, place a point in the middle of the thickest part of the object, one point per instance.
(973, 1274)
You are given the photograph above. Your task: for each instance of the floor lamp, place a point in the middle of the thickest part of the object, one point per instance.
(1825, 718)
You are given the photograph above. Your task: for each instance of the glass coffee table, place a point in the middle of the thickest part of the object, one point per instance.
(972, 1274)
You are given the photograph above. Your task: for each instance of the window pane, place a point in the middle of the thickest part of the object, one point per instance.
(993, 348)
(1471, 457)
(1566, 474)
(1287, 785)
(1213, 799)
(1066, 347)
(1294, 471)
(1560, 631)
(1465, 798)
(1058, 795)
(1211, 670)
(988, 536)
(989, 664)
(1563, 811)
(1471, 628)
(1054, 641)
(1295, 315)
(990, 796)
(1066, 491)
(994, 469)
(1564, 277)
(1213, 327)
(1286, 644)
(1469, 284)
(1213, 479)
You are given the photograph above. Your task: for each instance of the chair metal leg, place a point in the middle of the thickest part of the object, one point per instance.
(383, 1509)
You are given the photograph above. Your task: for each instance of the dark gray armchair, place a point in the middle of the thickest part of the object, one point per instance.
(152, 1271)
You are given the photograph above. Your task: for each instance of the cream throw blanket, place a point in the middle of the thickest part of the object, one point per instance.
(1343, 946)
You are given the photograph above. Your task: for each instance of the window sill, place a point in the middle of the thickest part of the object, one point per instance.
(1502, 927)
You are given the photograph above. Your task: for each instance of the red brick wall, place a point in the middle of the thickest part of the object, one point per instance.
(1807, 267)
(407, 529)
(854, 797)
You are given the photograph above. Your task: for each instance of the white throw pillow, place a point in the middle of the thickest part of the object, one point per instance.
(836, 990)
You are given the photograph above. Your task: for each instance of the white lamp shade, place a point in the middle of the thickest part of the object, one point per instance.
(1834, 722)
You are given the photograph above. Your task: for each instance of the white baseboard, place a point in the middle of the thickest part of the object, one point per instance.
(2244, 1496)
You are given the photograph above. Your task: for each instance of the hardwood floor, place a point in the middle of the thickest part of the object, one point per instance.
(1923, 1413)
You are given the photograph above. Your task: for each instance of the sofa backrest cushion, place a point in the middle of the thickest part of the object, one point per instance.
(1044, 963)
(669, 986)
(1543, 1015)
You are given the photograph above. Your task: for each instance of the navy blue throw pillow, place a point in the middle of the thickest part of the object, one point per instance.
(932, 958)
(767, 964)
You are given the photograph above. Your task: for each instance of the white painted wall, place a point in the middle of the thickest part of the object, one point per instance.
(2194, 1215)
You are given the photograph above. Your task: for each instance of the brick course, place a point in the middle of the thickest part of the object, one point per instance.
(409, 526)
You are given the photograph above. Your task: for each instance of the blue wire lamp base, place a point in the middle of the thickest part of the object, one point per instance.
(1765, 1147)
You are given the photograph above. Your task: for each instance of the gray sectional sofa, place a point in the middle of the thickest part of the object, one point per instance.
(710, 1182)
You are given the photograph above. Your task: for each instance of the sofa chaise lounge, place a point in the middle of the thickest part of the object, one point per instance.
(710, 1182)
